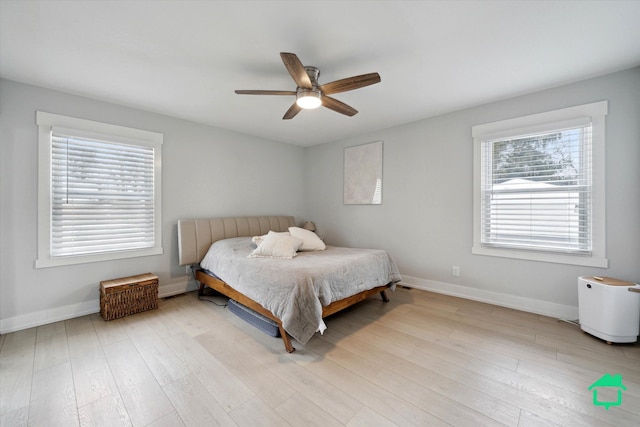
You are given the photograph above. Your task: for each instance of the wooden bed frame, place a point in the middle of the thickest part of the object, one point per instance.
(195, 236)
(220, 286)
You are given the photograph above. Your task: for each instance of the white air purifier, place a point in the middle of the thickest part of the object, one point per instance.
(609, 308)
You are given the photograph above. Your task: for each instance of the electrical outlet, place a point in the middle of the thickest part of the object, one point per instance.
(455, 271)
(188, 269)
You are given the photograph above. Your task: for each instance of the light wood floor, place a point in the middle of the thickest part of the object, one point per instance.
(421, 360)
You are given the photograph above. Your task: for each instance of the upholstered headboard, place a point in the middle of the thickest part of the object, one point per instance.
(196, 235)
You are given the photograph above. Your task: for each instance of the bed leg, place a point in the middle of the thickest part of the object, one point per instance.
(384, 296)
(286, 340)
(201, 289)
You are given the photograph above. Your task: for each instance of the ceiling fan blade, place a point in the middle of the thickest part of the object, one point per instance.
(296, 69)
(350, 83)
(292, 111)
(338, 106)
(265, 92)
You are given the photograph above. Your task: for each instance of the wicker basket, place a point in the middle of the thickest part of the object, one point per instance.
(128, 295)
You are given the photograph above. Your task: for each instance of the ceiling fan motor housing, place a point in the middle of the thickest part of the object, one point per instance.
(310, 98)
(313, 74)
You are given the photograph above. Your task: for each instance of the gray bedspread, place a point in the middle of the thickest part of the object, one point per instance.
(295, 290)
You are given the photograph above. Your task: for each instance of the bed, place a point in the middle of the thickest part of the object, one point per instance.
(295, 293)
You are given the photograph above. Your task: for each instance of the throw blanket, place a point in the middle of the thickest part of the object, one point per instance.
(295, 290)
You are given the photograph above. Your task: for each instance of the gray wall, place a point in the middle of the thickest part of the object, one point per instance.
(205, 172)
(426, 220)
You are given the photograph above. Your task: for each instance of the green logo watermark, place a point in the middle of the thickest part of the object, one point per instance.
(608, 382)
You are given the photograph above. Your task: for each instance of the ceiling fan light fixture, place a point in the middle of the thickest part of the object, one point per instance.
(308, 99)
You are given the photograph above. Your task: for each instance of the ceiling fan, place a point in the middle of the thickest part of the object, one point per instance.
(309, 93)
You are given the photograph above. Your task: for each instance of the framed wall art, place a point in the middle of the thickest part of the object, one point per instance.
(363, 174)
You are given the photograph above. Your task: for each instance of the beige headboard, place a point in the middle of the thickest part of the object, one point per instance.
(196, 235)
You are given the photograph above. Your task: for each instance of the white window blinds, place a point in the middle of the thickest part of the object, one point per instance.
(536, 190)
(102, 195)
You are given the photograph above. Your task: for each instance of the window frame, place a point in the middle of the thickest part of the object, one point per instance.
(98, 130)
(537, 123)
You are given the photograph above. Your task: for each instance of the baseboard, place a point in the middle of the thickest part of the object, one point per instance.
(546, 308)
(38, 318)
(560, 311)
(180, 287)
(57, 314)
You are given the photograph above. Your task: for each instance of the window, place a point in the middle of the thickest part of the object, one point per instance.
(539, 187)
(98, 191)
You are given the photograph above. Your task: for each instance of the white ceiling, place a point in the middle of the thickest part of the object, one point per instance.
(185, 58)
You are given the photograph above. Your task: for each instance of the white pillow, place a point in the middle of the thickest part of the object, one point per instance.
(258, 239)
(277, 245)
(311, 241)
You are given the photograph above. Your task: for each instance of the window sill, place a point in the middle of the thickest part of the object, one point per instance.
(84, 259)
(557, 258)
